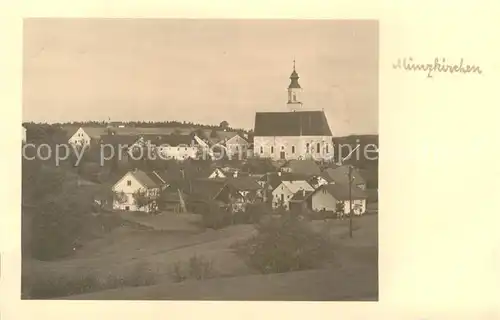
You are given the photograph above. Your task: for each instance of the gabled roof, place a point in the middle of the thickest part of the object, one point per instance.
(341, 191)
(207, 188)
(243, 184)
(305, 167)
(275, 179)
(295, 186)
(340, 175)
(93, 132)
(172, 140)
(301, 196)
(299, 123)
(147, 179)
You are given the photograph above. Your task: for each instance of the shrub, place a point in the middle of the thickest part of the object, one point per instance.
(215, 217)
(197, 267)
(285, 244)
(49, 286)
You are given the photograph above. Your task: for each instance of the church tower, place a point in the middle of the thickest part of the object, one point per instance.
(294, 91)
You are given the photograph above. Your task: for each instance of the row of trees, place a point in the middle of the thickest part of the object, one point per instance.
(142, 124)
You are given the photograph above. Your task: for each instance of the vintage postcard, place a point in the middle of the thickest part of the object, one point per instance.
(189, 159)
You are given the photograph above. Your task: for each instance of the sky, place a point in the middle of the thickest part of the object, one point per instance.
(203, 71)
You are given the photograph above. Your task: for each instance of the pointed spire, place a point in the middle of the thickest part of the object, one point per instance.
(294, 77)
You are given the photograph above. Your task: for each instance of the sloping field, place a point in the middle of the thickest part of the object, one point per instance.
(313, 285)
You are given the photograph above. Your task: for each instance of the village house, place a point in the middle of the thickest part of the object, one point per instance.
(328, 197)
(232, 194)
(295, 134)
(85, 136)
(173, 146)
(237, 147)
(138, 191)
(282, 194)
(227, 172)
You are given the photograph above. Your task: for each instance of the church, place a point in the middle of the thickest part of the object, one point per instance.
(293, 134)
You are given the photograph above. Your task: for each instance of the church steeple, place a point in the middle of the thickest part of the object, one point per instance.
(294, 90)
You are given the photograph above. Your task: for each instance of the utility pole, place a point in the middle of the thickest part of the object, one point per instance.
(350, 201)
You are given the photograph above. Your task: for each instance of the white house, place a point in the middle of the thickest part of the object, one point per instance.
(85, 136)
(176, 147)
(282, 194)
(327, 198)
(237, 147)
(295, 134)
(138, 191)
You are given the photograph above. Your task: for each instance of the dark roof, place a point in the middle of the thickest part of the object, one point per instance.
(305, 167)
(341, 191)
(244, 183)
(294, 80)
(207, 188)
(340, 175)
(299, 123)
(169, 139)
(274, 179)
(148, 179)
(301, 196)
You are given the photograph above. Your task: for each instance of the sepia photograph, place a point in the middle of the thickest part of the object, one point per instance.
(200, 159)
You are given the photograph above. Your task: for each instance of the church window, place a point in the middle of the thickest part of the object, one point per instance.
(326, 149)
(293, 149)
(261, 150)
(307, 147)
(318, 148)
(272, 149)
(294, 97)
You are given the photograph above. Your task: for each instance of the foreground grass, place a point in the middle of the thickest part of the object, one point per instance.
(50, 286)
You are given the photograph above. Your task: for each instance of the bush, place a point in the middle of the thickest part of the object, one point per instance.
(285, 244)
(215, 217)
(198, 268)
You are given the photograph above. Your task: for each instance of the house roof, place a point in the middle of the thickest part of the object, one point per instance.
(274, 179)
(207, 188)
(93, 132)
(341, 191)
(244, 183)
(147, 179)
(301, 196)
(299, 123)
(172, 140)
(305, 167)
(340, 175)
(295, 186)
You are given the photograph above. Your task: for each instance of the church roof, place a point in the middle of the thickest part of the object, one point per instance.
(294, 80)
(300, 123)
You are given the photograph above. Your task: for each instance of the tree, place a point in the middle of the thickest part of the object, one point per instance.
(339, 209)
(285, 244)
(224, 124)
(213, 133)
